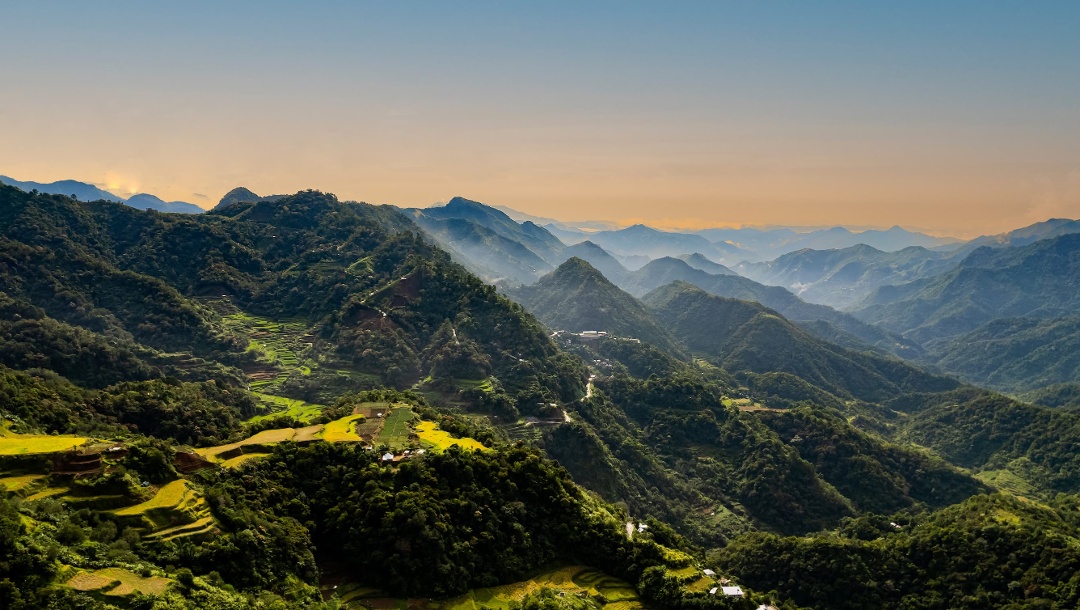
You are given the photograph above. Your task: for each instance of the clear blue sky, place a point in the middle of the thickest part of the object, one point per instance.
(957, 116)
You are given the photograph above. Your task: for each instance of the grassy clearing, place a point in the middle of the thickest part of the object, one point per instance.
(118, 582)
(28, 444)
(1007, 481)
(485, 385)
(430, 434)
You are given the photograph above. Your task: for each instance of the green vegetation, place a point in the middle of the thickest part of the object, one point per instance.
(395, 431)
(288, 407)
(987, 552)
(777, 459)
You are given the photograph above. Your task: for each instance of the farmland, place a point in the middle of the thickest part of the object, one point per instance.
(287, 407)
(395, 431)
(431, 435)
(117, 582)
(29, 444)
(176, 510)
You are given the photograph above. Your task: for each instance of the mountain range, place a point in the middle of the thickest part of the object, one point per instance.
(89, 192)
(254, 366)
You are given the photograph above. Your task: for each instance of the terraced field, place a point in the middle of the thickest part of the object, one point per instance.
(117, 582)
(254, 444)
(176, 510)
(30, 444)
(574, 580)
(20, 484)
(287, 407)
(521, 431)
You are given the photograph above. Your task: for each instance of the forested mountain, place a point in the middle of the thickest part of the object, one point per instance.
(599, 259)
(1037, 281)
(243, 195)
(1048, 229)
(1013, 354)
(742, 336)
(840, 278)
(700, 262)
(576, 297)
(822, 320)
(355, 271)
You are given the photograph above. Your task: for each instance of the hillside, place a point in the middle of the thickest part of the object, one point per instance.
(840, 278)
(1014, 354)
(372, 292)
(742, 336)
(700, 262)
(833, 325)
(1037, 281)
(576, 297)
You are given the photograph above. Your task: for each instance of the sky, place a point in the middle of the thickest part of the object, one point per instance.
(958, 118)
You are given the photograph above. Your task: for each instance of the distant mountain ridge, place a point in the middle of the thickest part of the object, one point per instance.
(841, 278)
(740, 335)
(500, 249)
(88, 192)
(576, 297)
(1041, 280)
(829, 324)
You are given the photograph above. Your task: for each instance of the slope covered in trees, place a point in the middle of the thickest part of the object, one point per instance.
(576, 297)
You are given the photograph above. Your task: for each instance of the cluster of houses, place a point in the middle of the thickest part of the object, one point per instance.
(725, 588)
(405, 455)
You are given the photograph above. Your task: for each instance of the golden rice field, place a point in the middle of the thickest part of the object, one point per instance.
(429, 432)
(342, 430)
(172, 494)
(240, 459)
(28, 444)
(266, 437)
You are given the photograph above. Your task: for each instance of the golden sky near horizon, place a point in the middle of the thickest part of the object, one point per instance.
(707, 117)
